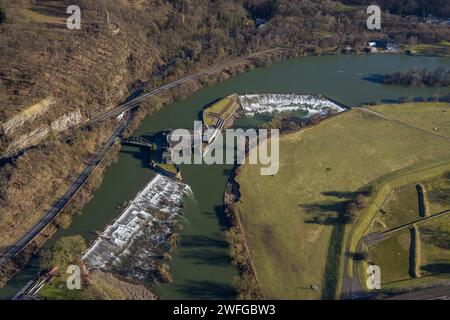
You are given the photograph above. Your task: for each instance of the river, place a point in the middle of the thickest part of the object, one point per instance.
(200, 266)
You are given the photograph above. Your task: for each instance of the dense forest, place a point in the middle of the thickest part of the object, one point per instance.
(49, 74)
(415, 77)
(421, 8)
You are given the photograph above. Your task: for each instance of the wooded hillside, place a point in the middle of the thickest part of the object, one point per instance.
(52, 78)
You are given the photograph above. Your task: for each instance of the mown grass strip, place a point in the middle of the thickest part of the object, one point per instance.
(382, 187)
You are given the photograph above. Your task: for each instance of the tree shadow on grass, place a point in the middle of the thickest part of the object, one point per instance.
(207, 290)
(439, 238)
(331, 213)
(444, 197)
(333, 264)
(325, 213)
(356, 256)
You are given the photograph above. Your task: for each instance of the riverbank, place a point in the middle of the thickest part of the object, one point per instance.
(64, 219)
(194, 261)
(137, 244)
(248, 284)
(114, 63)
(147, 108)
(294, 221)
(158, 102)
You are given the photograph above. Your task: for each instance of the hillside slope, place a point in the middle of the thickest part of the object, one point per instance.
(52, 78)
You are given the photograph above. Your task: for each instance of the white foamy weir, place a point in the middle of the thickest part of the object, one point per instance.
(162, 194)
(262, 103)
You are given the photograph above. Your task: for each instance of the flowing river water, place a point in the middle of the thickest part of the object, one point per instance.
(201, 267)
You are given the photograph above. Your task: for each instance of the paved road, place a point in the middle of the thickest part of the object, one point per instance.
(351, 288)
(374, 238)
(102, 115)
(435, 293)
(51, 214)
(134, 101)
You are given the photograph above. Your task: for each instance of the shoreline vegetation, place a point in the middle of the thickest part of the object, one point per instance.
(107, 253)
(415, 77)
(136, 59)
(247, 283)
(356, 204)
(138, 243)
(146, 109)
(84, 195)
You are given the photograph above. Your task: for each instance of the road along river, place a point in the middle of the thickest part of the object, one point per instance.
(200, 266)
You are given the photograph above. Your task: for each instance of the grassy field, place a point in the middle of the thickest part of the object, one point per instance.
(430, 119)
(439, 194)
(435, 237)
(291, 219)
(400, 208)
(392, 256)
(223, 108)
(100, 287)
(57, 290)
(346, 8)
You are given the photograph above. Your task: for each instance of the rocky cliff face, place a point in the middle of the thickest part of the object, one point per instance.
(28, 115)
(35, 136)
(52, 77)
